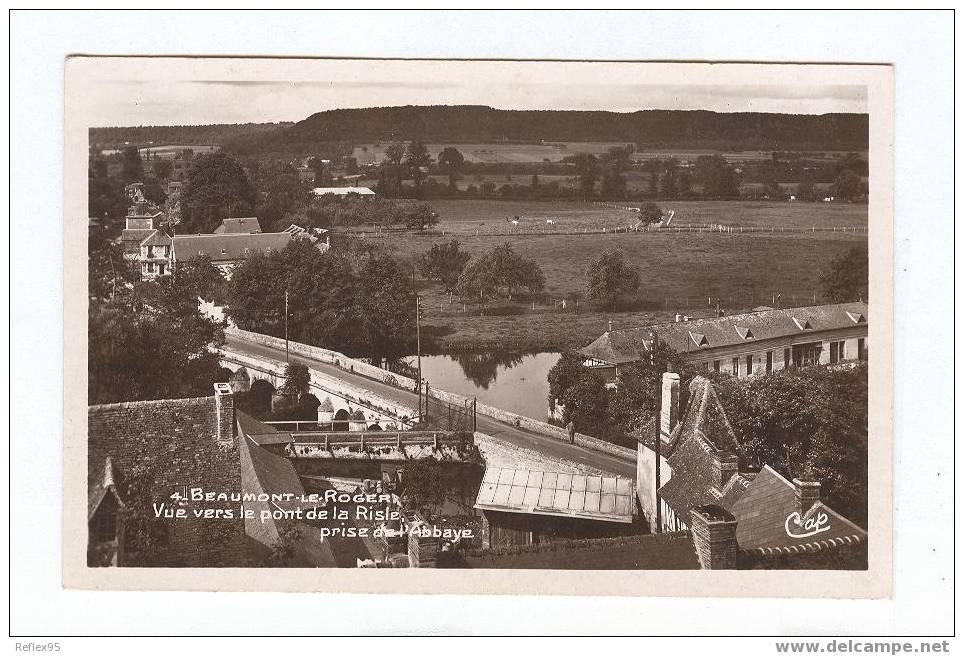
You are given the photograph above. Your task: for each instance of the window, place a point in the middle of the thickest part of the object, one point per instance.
(861, 349)
(769, 362)
(834, 352)
(749, 365)
(716, 366)
(842, 350)
(736, 366)
(706, 366)
(786, 358)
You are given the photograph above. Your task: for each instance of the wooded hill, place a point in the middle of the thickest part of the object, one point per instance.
(481, 124)
(653, 128)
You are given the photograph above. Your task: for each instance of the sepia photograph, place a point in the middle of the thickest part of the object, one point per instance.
(451, 315)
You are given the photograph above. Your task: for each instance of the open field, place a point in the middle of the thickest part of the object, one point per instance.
(684, 272)
(464, 217)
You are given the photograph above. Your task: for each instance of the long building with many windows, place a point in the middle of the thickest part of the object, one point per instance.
(743, 344)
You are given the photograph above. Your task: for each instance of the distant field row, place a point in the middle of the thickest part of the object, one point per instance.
(556, 151)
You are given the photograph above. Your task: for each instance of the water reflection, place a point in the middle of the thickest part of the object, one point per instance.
(483, 368)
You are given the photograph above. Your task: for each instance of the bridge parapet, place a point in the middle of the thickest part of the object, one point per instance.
(343, 395)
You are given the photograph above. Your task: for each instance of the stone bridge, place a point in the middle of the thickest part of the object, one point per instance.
(340, 400)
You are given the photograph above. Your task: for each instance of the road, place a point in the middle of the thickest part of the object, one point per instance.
(547, 446)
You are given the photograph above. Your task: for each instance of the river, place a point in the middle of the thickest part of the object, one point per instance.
(511, 381)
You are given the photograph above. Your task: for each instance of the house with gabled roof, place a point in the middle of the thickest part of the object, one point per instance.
(745, 344)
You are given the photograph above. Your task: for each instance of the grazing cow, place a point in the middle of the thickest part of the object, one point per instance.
(515, 222)
(550, 222)
(792, 198)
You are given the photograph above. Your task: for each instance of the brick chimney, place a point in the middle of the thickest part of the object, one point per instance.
(725, 466)
(669, 403)
(808, 493)
(714, 536)
(224, 411)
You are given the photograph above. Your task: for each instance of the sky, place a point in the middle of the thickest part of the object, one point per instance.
(152, 91)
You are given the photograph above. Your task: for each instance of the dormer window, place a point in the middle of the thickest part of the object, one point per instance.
(744, 333)
(699, 339)
(857, 317)
(802, 324)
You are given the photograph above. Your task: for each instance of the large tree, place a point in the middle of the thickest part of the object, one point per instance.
(609, 278)
(386, 308)
(445, 263)
(847, 277)
(719, 179)
(451, 160)
(281, 195)
(416, 158)
(133, 169)
(807, 423)
(151, 343)
(615, 164)
(500, 272)
(217, 188)
(587, 167)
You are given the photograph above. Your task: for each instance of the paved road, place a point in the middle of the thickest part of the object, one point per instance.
(548, 446)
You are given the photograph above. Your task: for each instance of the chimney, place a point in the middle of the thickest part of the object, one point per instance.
(714, 536)
(610, 325)
(725, 465)
(224, 411)
(669, 403)
(808, 493)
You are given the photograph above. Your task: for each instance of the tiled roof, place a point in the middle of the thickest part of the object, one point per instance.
(769, 521)
(239, 225)
(102, 479)
(157, 238)
(663, 551)
(228, 247)
(134, 236)
(703, 436)
(607, 498)
(627, 345)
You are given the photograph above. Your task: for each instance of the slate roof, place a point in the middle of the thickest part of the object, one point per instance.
(134, 236)
(102, 479)
(228, 247)
(703, 436)
(769, 522)
(627, 345)
(157, 238)
(662, 551)
(607, 498)
(239, 225)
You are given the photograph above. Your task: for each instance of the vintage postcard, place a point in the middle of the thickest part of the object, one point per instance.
(585, 321)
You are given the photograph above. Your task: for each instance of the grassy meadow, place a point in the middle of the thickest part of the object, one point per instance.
(683, 272)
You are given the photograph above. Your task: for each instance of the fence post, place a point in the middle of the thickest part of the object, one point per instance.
(475, 401)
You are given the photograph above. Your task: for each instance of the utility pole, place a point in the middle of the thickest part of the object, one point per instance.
(418, 352)
(287, 353)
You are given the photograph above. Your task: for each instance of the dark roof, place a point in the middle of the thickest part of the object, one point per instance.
(102, 480)
(134, 236)
(239, 225)
(157, 238)
(663, 551)
(228, 247)
(770, 523)
(703, 437)
(627, 345)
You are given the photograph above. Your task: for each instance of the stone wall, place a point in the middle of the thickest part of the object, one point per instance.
(176, 441)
